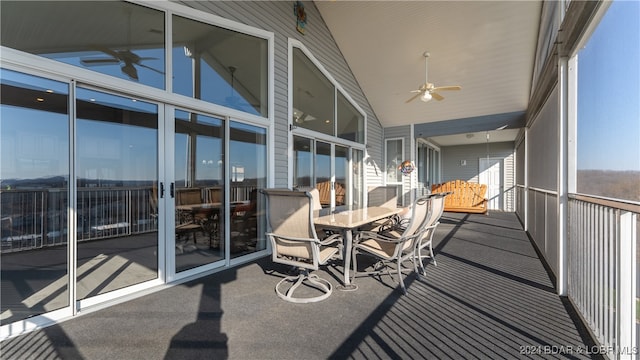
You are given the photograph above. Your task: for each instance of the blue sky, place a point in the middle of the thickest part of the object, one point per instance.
(609, 92)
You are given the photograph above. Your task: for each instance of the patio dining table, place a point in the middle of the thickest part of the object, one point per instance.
(346, 220)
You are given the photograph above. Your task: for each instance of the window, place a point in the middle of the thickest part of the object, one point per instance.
(116, 38)
(393, 159)
(319, 106)
(350, 121)
(220, 66)
(303, 162)
(313, 96)
(608, 151)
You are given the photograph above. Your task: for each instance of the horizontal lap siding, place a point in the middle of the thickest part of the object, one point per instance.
(278, 17)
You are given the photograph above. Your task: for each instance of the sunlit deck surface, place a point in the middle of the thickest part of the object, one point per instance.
(489, 297)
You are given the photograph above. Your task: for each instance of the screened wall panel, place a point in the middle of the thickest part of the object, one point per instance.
(542, 146)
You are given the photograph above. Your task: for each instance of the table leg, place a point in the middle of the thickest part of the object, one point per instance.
(348, 243)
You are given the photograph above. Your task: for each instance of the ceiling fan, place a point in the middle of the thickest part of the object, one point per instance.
(428, 90)
(127, 58)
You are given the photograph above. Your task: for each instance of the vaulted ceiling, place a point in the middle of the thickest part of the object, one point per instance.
(486, 47)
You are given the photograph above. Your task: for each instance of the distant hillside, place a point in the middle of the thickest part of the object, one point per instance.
(623, 185)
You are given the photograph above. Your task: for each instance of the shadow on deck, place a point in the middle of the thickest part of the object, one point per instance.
(489, 297)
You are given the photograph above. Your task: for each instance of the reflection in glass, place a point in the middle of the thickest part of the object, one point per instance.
(341, 174)
(393, 160)
(313, 96)
(323, 171)
(303, 162)
(199, 174)
(248, 157)
(117, 170)
(34, 185)
(357, 162)
(220, 66)
(111, 37)
(350, 121)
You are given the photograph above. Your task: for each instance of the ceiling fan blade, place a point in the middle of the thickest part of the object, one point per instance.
(150, 68)
(436, 96)
(130, 70)
(99, 61)
(413, 97)
(107, 51)
(440, 88)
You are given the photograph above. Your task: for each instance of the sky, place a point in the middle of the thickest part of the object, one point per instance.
(609, 92)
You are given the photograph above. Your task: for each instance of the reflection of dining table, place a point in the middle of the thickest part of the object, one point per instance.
(347, 220)
(207, 213)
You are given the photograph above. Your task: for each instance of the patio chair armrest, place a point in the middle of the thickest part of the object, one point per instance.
(291, 238)
(335, 238)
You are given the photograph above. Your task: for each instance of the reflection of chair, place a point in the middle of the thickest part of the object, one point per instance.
(394, 246)
(436, 208)
(214, 194)
(244, 223)
(188, 221)
(294, 242)
(188, 196)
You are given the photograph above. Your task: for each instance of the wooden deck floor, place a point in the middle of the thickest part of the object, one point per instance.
(489, 297)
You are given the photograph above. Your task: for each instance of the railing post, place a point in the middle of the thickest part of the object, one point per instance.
(627, 288)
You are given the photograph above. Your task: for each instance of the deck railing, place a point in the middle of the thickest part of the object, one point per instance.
(602, 270)
(33, 219)
(601, 264)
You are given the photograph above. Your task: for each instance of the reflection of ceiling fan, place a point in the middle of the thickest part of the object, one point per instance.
(235, 101)
(428, 90)
(128, 59)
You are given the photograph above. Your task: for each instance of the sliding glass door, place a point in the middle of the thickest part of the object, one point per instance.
(335, 170)
(198, 189)
(34, 187)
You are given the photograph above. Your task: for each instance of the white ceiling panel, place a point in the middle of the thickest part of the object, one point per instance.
(487, 47)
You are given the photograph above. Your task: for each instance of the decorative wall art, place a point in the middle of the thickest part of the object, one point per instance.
(407, 167)
(301, 16)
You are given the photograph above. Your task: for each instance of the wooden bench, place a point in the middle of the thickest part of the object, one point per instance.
(465, 196)
(324, 188)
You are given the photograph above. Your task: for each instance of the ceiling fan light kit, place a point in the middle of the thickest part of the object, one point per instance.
(428, 91)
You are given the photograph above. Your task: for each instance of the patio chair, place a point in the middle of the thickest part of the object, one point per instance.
(393, 247)
(294, 242)
(383, 196)
(436, 208)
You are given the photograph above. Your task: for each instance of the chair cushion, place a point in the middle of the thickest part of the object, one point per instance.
(381, 248)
